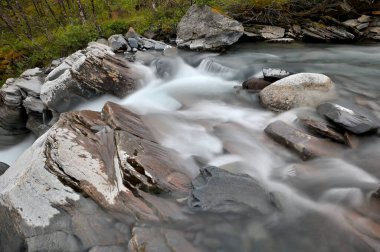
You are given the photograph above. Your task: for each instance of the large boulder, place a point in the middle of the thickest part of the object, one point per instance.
(85, 182)
(205, 28)
(303, 89)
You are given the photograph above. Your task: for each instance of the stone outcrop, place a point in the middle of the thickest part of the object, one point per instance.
(97, 72)
(204, 28)
(303, 89)
(88, 162)
(33, 101)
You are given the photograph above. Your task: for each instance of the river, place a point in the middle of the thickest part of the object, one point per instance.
(198, 110)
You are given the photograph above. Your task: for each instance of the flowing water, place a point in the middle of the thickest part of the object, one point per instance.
(193, 107)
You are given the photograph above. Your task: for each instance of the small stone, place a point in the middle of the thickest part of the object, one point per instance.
(255, 84)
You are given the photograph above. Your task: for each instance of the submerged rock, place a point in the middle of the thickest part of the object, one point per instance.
(205, 28)
(303, 89)
(350, 120)
(3, 168)
(305, 145)
(242, 194)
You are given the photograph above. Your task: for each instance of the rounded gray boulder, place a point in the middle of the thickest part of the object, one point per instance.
(303, 89)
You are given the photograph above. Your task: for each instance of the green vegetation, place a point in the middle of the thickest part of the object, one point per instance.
(33, 32)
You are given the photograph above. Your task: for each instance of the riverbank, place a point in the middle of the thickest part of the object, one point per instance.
(279, 21)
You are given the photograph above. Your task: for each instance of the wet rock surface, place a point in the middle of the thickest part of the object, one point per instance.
(303, 89)
(348, 119)
(206, 29)
(84, 162)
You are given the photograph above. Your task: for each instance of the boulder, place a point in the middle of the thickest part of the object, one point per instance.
(243, 193)
(305, 145)
(348, 119)
(303, 89)
(3, 168)
(117, 42)
(205, 28)
(133, 43)
(255, 84)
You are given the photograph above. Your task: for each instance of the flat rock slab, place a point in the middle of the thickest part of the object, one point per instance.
(324, 129)
(348, 119)
(306, 146)
(217, 190)
(303, 89)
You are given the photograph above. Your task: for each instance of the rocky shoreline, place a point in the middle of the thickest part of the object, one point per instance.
(101, 181)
